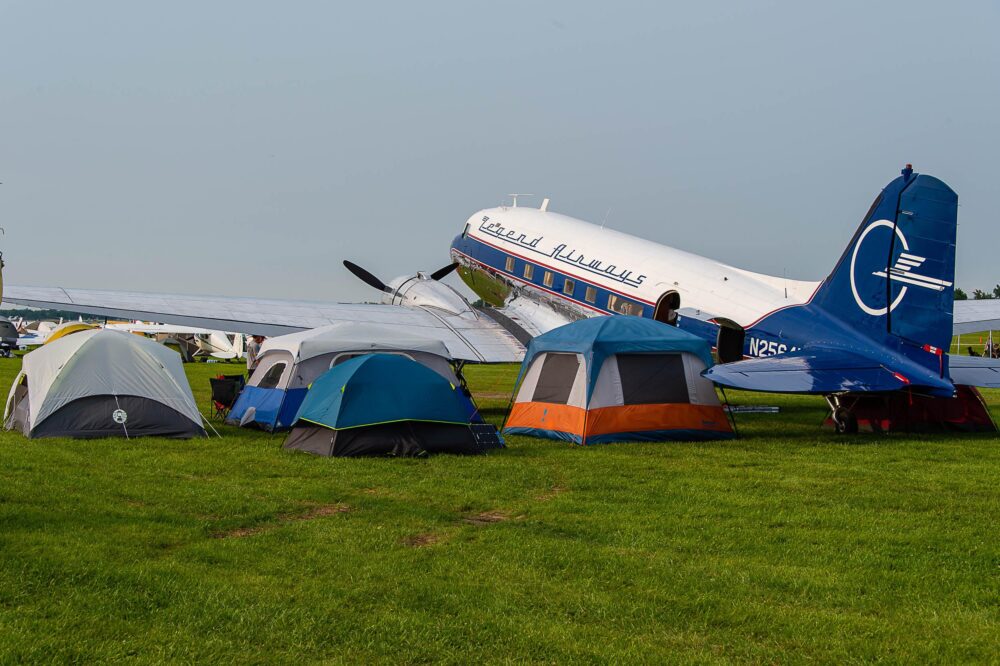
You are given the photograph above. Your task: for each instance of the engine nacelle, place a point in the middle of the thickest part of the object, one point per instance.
(421, 291)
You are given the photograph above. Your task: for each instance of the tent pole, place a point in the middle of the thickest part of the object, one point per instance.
(510, 403)
(729, 410)
(208, 423)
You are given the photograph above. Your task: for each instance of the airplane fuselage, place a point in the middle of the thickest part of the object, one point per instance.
(583, 270)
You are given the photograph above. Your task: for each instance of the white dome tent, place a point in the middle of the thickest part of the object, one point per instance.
(103, 383)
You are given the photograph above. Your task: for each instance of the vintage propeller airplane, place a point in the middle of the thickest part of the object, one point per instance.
(881, 322)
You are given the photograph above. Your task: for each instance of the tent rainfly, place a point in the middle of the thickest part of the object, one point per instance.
(100, 383)
(288, 364)
(617, 378)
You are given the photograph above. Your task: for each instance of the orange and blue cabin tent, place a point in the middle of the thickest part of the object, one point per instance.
(617, 378)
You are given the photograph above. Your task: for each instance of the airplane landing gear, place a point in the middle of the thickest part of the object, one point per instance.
(845, 422)
(906, 411)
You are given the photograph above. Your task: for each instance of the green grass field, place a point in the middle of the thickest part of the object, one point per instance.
(790, 545)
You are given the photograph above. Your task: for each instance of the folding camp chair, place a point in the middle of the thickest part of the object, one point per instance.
(225, 390)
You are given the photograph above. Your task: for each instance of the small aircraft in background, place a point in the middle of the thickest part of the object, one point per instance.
(193, 342)
(32, 333)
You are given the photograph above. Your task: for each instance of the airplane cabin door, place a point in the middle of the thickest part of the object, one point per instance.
(667, 306)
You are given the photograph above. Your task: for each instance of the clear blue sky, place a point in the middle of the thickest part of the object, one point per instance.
(246, 148)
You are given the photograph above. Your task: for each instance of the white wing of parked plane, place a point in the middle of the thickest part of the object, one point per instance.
(418, 306)
(974, 316)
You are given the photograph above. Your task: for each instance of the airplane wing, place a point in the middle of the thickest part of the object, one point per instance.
(975, 371)
(470, 335)
(977, 315)
(808, 371)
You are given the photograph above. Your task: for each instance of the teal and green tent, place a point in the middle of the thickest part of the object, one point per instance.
(387, 404)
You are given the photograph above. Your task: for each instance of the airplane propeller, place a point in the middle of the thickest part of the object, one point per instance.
(442, 272)
(366, 277)
(373, 281)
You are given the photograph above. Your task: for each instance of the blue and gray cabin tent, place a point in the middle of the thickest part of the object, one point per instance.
(385, 404)
(288, 364)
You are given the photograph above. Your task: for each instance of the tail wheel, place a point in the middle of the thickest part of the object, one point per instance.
(845, 421)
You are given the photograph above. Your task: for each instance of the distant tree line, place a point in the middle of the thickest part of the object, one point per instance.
(36, 315)
(977, 294)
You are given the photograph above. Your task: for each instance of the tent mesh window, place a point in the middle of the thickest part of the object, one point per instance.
(344, 358)
(652, 379)
(555, 381)
(270, 380)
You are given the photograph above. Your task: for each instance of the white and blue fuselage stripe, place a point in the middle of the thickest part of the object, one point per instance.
(498, 261)
(528, 262)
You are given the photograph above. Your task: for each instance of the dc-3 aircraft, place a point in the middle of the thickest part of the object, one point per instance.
(881, 323)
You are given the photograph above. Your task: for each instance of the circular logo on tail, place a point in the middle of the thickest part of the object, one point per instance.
(875, 311)
(905, 269)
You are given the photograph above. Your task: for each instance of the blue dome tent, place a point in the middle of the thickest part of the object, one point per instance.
(382, 404)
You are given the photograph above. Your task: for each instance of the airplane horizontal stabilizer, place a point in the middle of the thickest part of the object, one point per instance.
(975, 371)
(808, 371)
(977, 315)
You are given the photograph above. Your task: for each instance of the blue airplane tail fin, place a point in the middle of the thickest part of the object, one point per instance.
(896, 277)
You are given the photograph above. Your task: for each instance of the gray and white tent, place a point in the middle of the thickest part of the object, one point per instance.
(103, 383)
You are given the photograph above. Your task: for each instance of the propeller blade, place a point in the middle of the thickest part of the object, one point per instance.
(365, 276)
(441, 272)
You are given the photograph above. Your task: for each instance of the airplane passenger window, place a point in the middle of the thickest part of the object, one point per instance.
(568, 287)
(510, 264)
(270, 380)
(591, 295)
(623, 306)
(547, 280)
(529, 271)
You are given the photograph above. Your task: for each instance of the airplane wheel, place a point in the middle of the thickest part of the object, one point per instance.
(846, 423)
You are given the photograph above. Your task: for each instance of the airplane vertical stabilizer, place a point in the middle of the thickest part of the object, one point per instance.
(896, 277)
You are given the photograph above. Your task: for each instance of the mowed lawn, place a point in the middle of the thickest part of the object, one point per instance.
(791, 544)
